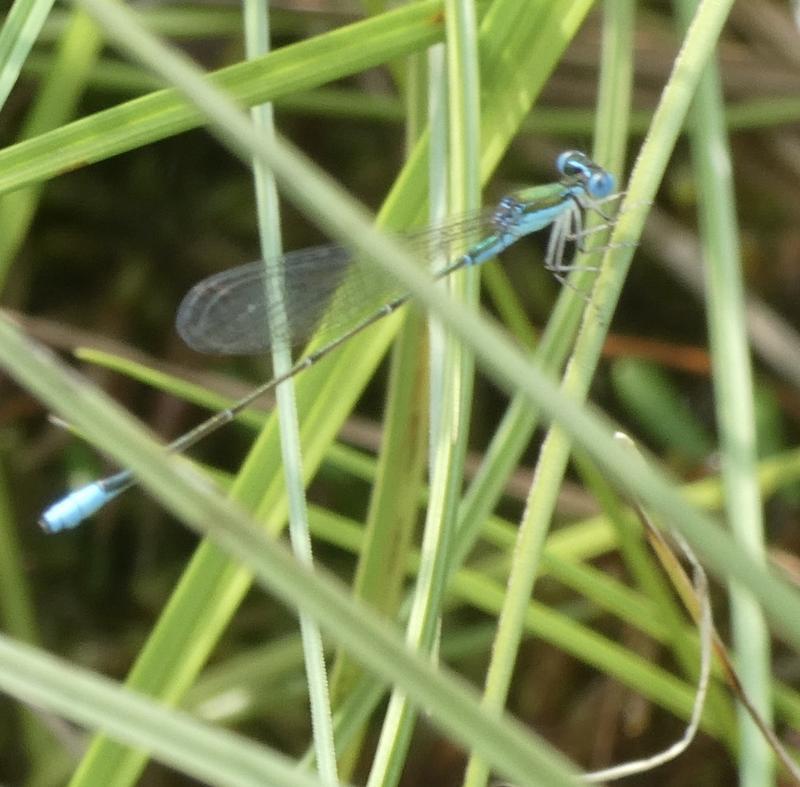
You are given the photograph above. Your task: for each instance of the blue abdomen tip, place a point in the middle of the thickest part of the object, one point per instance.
(71, 510)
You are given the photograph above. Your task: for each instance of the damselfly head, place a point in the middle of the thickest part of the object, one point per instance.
(597, 182)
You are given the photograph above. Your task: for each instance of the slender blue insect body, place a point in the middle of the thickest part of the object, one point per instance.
(329, 292)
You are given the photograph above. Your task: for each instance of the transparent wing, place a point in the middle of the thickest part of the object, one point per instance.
(326, 290)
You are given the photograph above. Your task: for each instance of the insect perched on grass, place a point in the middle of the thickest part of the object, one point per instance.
(329, 292)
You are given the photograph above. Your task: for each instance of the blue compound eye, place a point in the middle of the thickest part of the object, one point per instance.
(571, 163)
(597, 182)
(600, 184)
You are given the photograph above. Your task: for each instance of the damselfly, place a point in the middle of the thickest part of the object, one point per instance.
(329, 292)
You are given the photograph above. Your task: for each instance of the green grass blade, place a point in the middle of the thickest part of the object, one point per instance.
(451, 375)
(19, 32)
(54, 104)
(398, 481)
(322, 59)
(735, 408)
(211, 755)
(394, 504)
(257, 38)
(554, 455)
(520, 419)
